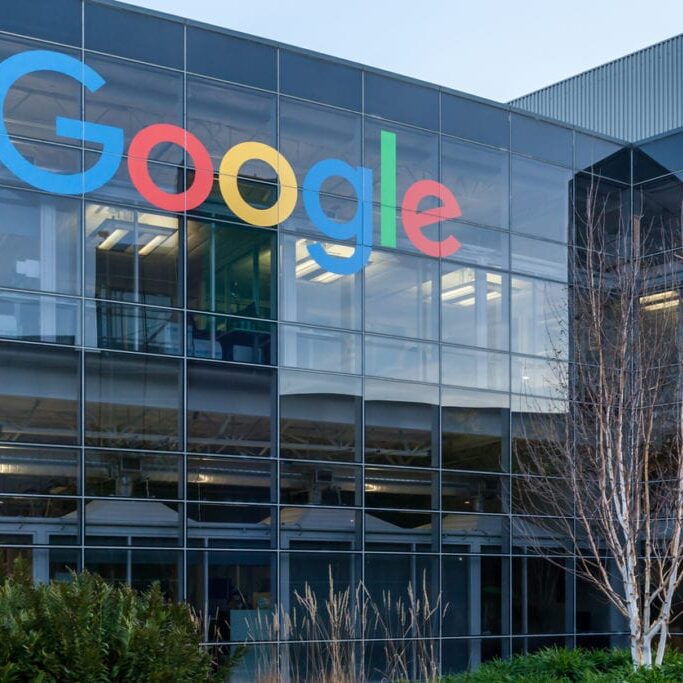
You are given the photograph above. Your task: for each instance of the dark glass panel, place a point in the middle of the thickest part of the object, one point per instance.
(230, 526)
(39, 19)
(227, 589)
(478, 176)
(408, 489)
(472, 492)
(133, 522)
(39, 242)
(230, 480)
(659, 157)
(320, 80)
(473, 120)
(306, 483)
(34, 102)
(396, 531)
(132, 401)
(135, 96)
(474, 435)
(223, 116)
(39, 390)
(132, 328)
(136, 35)
(230, 409)
(49, 319)
(231, 269)
(132, 255)
(310, 133)
(129, 474)
(401, 101)
(474, 306)
(659, 205)
(539, 597)
(231, 59)
(602, 157)
(541, 199)
(42, 521)
(466, 532)
(46, 471)
(221, 337)
(320, 416)
(139, 568)
(476, 591)
(417, 157)
(541, 139)
(401, 295)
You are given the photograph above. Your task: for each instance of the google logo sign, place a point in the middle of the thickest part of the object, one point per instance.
(359, 227)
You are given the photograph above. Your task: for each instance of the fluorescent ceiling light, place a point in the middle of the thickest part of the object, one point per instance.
(152, 245)
(113, 239)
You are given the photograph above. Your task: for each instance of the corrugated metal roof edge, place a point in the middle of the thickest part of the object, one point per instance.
(601, 67)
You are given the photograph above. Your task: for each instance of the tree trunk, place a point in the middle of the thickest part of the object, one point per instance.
(661, 647)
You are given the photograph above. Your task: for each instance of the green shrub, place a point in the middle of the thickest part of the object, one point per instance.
(88, 630)
(558, 665)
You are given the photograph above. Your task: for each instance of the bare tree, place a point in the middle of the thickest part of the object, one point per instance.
(602, 475)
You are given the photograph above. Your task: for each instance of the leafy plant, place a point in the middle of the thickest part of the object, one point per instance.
(88, 630)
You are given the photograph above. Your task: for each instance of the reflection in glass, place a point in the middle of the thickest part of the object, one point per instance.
(320, 349)
(539, 258)
(131, 255)
(401, 295)
(538, 324)
(39, 470)
(39, 391)
(306, 483)
(230, 526)
(400, 489)
(473, 368)
(474, 308)
(320, 416)
(540, 199)
(472, 492)
(229, 409)
(132, 401)
(478, 246)
(229, 479)
(39, 242)
(414, 361)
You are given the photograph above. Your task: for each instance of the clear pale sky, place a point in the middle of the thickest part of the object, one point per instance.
(498, 49)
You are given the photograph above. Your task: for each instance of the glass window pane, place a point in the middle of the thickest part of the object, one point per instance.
(231, 59)
(408, 489)
(321, 80)
(307, 483)
(478, 176)
(319, 349)
(133, 97)
(393, 530)
(223, 116)
(474, 306)
(399, 100)
(127, 34)
(132, 401)
(538, 324)
(473, 120)
(478, 246)
(27, 317)
(44, 520)
(229, 409)
(231, 269)
(220, 337)
(38, 19)
(541, 139)
(132, 255)
(414, 361)
(401, 295)
(401, 424)
(230, 480)
(472, 493)
(658, 205)
(132, 328)
(39, 242)
(310, 133)
(539, 376)
(318, 528)
(474, 430)
(44, 411)
(39, 471)
(474, 368)
(601, 157)
(128, 474)
(540, 199)
(540, 258)
(230, 526)
(309, 294)
(320, 416)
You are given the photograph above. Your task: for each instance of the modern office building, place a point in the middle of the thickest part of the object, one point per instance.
(268, 313)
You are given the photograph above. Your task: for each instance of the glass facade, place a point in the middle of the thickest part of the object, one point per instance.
(213, 410)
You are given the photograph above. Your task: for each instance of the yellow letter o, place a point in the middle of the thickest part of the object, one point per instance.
(229, 169)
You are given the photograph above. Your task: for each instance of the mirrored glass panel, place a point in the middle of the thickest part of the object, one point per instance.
(319, 349)
(402, 489)
(46, 471)
(414, 361)
(539, 258)
(307, 483)
(473, 368)
(473, 493)
(230, 480)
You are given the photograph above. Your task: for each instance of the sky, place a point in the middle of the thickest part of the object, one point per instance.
(499, 49)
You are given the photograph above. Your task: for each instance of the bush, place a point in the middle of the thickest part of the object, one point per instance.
(88, 630)
(557, 665)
